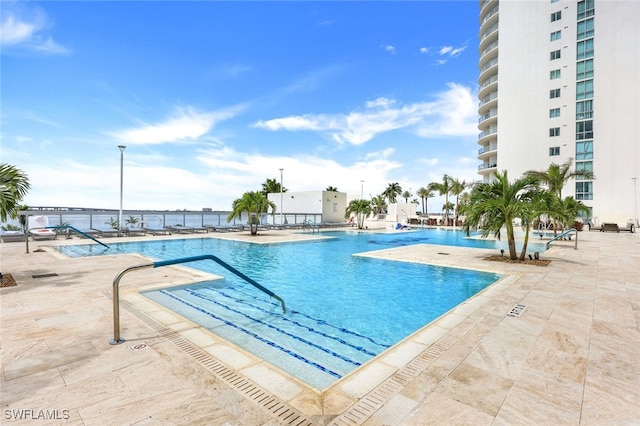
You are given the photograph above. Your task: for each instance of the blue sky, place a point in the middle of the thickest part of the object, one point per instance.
(213, 98)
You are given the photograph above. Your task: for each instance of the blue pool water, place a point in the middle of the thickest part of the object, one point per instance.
(342, 310)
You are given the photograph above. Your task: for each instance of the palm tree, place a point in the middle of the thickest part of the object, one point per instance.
(271, 186)
(569, 209)
(443, 188)
(457, 188)
(14, 185)
(555, 178)
(393, 190)
(253, 203)
(425, 194)
(361, 209)
(378, 204)
(406, 195)
(331, 189)
(496, 204)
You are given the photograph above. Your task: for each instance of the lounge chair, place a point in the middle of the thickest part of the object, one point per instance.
(179, 229)
(629, 228)
(593, 227)
(42, 234)
(158, 231)
(104, 232)
(132, 232)
(11, 236)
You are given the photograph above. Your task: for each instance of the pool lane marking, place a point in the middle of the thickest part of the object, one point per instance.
(318, 321)
(277, 329)
(306, 327)
(255, 336)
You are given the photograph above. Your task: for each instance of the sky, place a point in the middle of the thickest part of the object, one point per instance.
(211, 98)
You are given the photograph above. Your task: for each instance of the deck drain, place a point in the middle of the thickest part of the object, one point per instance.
(446, 254)
(138, 347)
(516, 311)
(44, 276)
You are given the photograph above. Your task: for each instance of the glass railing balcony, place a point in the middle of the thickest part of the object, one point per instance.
(492, 29)
(489, 148)
(487, 116)
(491, 13)
(485, 166)
(486, 99)
(488, 132)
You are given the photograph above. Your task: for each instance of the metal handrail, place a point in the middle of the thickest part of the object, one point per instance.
(568, 231)
(116, 285)
(61, 227)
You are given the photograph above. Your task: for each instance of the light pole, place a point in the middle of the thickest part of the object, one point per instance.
(121, 147)
(281, 207)
(635, 205)
(361, 189)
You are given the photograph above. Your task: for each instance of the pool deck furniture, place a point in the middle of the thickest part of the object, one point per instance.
(42, 234)
(132, 232)
(158, 231)
(11, 236)
(610, 227)
(629, 228)
(107, 232)
(593, 227)
(568, 358)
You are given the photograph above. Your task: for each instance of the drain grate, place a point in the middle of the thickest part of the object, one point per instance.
(445, 254)
(277, 408)
(516, 311)
(44, 276)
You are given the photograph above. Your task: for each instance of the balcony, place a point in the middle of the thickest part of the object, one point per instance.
(487, 149)
(487, 167)
(488, 115)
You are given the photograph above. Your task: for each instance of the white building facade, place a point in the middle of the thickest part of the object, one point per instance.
(560, 79)
(331, 205)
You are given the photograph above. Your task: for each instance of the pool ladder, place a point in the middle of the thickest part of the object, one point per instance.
(116, 285)
(564, 234)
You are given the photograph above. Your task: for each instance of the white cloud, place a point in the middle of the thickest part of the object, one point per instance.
(389, 49)
(186, 125)
(452, 113)
(24, 27)
(424, 50)
(444, 50)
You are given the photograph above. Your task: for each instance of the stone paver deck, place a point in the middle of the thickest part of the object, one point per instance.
(571, 357)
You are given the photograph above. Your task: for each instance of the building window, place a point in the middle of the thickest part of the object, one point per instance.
(584, 150)
(554, 150)
(584, 69)
(556, 16)
(584, 109)
(554, 131)
(554, 112)
(584, 130)
(585, 29)
(555, 55)
(583, 166)
(556, 35)
(554, 93)
(553, 1)
(584, 190)
(585, 9)
(584, 49)
(584, 89)
(554, 74)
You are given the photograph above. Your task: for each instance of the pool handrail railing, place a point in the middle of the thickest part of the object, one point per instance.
(562, 235)
(62, 227)
(116, 285)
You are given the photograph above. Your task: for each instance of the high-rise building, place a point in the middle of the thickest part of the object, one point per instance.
(560, 80)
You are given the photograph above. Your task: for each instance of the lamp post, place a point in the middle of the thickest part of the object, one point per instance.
(635, 205)
(281, 206)
(361, 189)
(121, 147)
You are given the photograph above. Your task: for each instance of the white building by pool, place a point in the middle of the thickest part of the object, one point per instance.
(558, 80)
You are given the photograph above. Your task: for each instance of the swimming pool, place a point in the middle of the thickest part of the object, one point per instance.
(342, 310)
